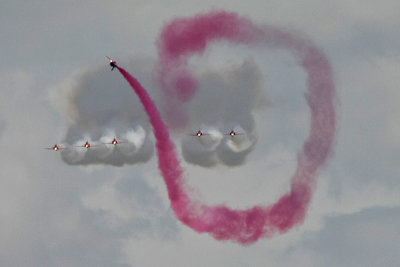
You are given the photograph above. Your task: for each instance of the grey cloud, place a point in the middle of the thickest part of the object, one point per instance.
(101, 105)
(196, 153)
(225, 101)
(227, 98)
(100, 98)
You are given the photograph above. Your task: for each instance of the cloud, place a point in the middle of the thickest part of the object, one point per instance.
(134, 147)
(226, 100)
(367, 238)
(101, 106)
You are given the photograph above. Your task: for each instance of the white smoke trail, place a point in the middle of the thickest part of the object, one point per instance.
(134, 147)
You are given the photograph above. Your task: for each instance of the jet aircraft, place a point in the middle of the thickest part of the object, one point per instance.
(116, 142)
(86, 145)
(233, 133)
(55, 148)
(199, 133)
(113, 63)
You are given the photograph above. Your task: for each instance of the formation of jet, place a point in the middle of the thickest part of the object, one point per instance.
(199, 133)
(113, 63)
(116, 142)
(87, 145)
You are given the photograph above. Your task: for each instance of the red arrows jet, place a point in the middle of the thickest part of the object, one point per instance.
(233, 133)
(86, 145)
(113, 63)
(55, 148)
(199, 134)
(116, 142)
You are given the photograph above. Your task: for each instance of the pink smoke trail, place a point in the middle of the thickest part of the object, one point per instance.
(182, 38)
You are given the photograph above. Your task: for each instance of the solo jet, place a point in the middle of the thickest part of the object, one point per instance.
(113, 63)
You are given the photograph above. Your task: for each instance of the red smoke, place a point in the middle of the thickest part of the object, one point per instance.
(182, 38)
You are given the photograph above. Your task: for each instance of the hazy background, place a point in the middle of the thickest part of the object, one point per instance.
(55, 214)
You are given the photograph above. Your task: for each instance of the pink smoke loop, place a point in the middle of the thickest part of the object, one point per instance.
(183, 38)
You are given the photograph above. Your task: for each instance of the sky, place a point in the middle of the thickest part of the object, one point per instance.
(110, 208)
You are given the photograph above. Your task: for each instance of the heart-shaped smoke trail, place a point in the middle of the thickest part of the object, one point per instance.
(184, 37)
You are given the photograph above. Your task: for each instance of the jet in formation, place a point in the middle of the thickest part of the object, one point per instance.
(116, 142)
(199, 133)
(233, 133)
(55, 148)
(86, 145)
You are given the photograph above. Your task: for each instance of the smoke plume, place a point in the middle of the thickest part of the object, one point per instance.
(179, 40)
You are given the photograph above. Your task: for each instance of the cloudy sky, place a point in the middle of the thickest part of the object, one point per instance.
(111, 208)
